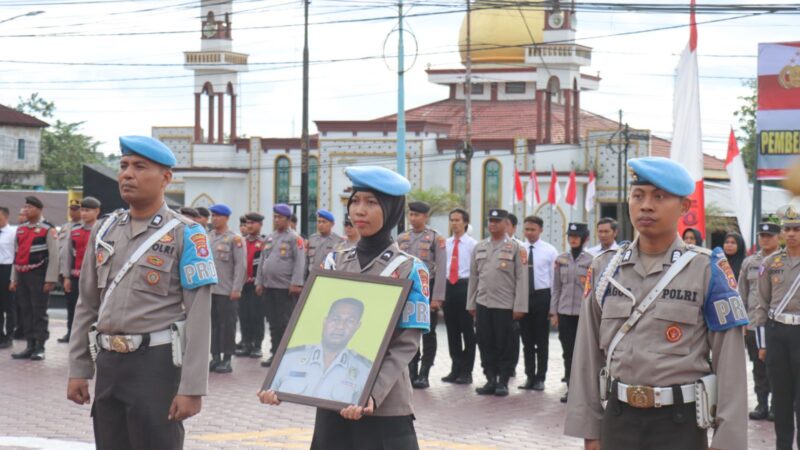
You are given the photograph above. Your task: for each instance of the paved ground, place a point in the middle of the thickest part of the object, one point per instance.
(36, 413)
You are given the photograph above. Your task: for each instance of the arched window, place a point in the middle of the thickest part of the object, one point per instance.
(458, 180)
(313, 194)
(492, 181)
(283, 169)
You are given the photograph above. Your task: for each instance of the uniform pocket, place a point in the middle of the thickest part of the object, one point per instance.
(223, 255)
(615, 312)
(152, 274)
(673, 328)
(506, 261)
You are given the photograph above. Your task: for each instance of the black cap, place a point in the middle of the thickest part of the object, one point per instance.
(34, 201)
(90, 202)
(191, 212)
(420, 207)
(577, 229)
(203, 211)
(769, 228)
(498, 214)
(254, 217)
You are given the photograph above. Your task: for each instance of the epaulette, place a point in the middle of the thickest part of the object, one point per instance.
(50, 225)
(297, 349)
(698, 249)
(361, 358)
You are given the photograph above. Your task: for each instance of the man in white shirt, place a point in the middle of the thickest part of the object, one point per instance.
(7, 310)
(606, 235)
(460, 330)
(535, 327)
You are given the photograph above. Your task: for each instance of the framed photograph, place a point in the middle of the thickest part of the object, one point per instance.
(336, 339)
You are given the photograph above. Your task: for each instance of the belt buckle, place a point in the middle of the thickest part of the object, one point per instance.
(641, 396)
(120, 344)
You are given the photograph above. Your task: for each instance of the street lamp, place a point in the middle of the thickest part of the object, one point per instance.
(31, 13)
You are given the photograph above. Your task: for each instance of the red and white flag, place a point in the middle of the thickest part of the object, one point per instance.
(517, 187)
(591, 191)
(532, 190)
(572, 190)
(740, 189)
(687, 139)
(554, 194)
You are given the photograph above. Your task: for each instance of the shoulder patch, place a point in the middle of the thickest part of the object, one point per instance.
(442, 241)
(523, 256)
(723, 307)
(237, 240)
(300, 243)
(197, 263)
(587, 286)
(416, 312)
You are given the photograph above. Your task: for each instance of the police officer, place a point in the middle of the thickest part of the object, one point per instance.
(72, 257)
(33, 276)
(242, 226)
(430, 247)
(328, 370)
(768, 242)
(145, 283)
(64, 230)
(204, 215)
(655, 311)
(229, 260)
(322, 242)
(280, 275)
(569, 279)
(251, 308)
(191, 213)
(376, 206)
(497, 295)
(779, 311)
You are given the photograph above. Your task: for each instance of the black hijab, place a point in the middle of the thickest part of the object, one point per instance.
(736, 260)
(697, 236)
(369, 247)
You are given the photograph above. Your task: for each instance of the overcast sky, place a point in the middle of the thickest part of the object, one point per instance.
(637, 70)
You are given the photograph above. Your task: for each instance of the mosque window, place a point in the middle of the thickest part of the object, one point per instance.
(282, 179)
(458, 179)
(515, 87)
(491, 190)
(313, 188)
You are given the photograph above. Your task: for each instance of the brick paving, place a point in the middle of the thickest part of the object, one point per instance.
(448, 416)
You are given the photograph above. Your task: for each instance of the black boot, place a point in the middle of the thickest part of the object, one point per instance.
(502, 387)
(761, 412)
(64, 339)
(38, 351)
(25, 354)
(255, 351)
(224, 365)
(489, 387)
(422, 380)
(451, 377)
(244, 351)
(413, 371)
(215, 361)
(267, 362)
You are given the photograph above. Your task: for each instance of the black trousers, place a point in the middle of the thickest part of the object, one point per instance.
(535, 330)
(428, 348)
(760, 380)
(223, 324)
(334, 432)
(460, 325)
(496, 341)
(783, 369)
(133, 393)
(251, 316)
(8, 308)
(33, 304)
(667, 428)
(567, 331)
(72, 300)
(278, 304)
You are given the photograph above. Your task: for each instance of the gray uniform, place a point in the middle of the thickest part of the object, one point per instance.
(302, 371)
(748, 289)
(229, 258)
(569, 281)
(318, 248)
(778, 271)
(431, 248)
(498, 279)
(671, 344)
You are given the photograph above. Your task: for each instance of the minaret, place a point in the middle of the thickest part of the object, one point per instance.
(216, 70)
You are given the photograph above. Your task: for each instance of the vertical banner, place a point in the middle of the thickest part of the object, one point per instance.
(778, 115)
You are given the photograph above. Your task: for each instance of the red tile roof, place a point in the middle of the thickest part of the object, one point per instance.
(10, 116)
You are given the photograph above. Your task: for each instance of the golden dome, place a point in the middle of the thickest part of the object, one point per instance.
(502, 33)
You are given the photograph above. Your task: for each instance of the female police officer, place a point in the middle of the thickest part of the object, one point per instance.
(375, 207)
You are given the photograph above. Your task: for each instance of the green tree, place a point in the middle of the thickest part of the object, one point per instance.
(441, 200)
(747, 125)
(64, 150)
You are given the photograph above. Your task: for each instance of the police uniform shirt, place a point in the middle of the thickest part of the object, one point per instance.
(498, 276)
(318, 248)
(283, 261)
(229, 260)
(302, 371)
(392, 390)
(430, 247)
(76, 241)
(24, 253)
(777, 273)
(544, 260)
(63, 234)
(698, 314)
(748, 285)
(169, 283)
(569, 281)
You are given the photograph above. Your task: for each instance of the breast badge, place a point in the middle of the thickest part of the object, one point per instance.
(674, 333)
(152, 277)
(155, 260)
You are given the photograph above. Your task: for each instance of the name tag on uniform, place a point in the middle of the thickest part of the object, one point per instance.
(297, 374)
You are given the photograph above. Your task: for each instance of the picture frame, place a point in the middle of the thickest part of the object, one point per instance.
(336, 338)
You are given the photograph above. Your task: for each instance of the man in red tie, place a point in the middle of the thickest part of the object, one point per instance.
(460, 331)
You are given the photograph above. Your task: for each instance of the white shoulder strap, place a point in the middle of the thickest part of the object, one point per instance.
(788, 297)
(639, 311)
(135, 257)
(608, 275)
(399, 259)
(101, 233)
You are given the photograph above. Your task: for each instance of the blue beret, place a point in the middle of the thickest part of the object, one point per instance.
(149, 148)
(282, 209)
(221, 210)
(325, 214)
(663, 173)
(379, 179)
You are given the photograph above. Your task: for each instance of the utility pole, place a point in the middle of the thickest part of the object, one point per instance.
(468, 109)
(304, 141)
(401, 101)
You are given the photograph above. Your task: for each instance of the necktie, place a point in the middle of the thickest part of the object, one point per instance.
(531, 274)
(453, 278)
